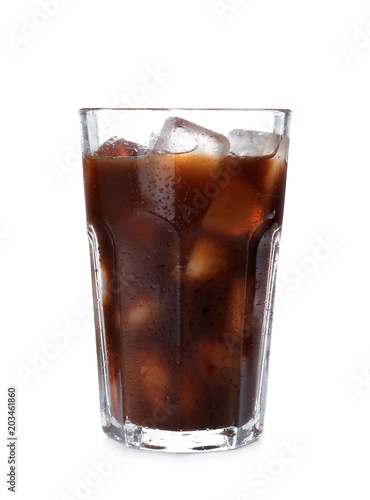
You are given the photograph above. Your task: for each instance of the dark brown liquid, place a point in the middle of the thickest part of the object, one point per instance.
(182, 246)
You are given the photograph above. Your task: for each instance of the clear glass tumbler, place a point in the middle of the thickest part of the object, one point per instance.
(184, 213)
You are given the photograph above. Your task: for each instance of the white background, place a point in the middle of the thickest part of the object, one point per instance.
(231, 53)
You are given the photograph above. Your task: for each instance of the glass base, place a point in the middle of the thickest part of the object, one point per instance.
(144, 438)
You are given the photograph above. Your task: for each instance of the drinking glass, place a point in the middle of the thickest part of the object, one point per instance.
(184, 212)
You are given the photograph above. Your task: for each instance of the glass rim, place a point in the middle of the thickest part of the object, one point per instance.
(278, 111)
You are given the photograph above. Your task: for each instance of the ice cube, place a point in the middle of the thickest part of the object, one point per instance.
(141, 314)
(276, 166)
(215, 357)
(235, 211)
(116, 146)
(236, 312)
(181, 151)
(181, 136)
(253, 144)
(107, 283)
(153, 376)
(207, 259)
(156, 178)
